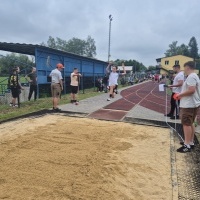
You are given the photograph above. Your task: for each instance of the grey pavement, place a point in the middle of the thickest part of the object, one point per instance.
(141, 112)
(92, 104)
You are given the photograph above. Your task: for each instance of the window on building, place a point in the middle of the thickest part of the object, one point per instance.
(177, 62)
(167, 62)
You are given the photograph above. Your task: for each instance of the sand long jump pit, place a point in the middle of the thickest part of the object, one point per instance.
(65, 158)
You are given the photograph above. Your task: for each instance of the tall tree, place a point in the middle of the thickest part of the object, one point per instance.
(75, 45)
(183, 50)
(11, 60)
(173, 49)
(193, 48)
(90, 47)
(51, 42)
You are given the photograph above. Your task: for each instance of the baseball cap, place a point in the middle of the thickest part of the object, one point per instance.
(59, 65)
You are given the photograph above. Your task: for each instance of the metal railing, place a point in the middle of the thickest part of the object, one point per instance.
(3, 89)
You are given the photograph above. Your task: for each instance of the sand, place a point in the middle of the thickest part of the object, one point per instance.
(62, 158)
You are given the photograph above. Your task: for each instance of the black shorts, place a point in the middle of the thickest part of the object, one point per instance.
(74, 89)
(15, 92)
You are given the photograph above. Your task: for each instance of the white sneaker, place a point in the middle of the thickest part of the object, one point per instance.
(108, 99)
(11, 104)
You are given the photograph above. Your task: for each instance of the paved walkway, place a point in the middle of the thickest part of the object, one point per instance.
(141, 101)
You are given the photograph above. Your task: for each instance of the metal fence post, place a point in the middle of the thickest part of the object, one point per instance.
(82, 84)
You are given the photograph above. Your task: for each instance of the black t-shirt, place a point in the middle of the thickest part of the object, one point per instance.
(105, 79)
(13, 81)
(33, 78)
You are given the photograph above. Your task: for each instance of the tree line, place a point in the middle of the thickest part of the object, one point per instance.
(190, 49)
(75, 45)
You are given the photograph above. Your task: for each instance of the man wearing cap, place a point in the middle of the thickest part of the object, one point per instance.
(56, 85)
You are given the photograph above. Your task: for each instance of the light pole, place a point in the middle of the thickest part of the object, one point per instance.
(110, 20)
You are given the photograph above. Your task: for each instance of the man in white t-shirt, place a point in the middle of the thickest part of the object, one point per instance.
(56, 85)
(113, 78)
(176, 88)
(189, 105)
(75, 77)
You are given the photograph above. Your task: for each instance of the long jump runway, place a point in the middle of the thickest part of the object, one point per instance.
(146, 95)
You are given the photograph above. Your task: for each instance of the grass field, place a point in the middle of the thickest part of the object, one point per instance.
(7, 112)
(4, 80)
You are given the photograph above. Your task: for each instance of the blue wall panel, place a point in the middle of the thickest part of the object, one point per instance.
(88, 67)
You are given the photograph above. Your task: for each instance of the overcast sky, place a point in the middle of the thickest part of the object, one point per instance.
(141, 29)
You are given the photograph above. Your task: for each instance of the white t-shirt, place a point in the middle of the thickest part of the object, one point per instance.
(74, 80)
(178, 77)
(56, 76)
(192, 101)
(113, 78)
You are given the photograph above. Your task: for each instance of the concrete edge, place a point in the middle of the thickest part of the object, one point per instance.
(174, 175)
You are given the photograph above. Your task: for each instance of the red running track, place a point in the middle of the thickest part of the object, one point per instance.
(146, 95)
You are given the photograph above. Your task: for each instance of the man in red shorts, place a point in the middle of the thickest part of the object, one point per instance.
(189, 104)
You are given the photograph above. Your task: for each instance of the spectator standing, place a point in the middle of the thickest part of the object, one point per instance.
(32, 79)
(56, 86)
(176, 88)
(15, 86)
(189, 105)
(105, 83)
(75, 76)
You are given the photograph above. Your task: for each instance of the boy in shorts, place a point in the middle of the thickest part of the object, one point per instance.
(74, 85)
(15, 86)
(189, 105)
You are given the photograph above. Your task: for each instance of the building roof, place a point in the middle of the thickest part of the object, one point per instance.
(159, 59)
(29, 49)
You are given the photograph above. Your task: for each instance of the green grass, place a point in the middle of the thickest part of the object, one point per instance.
(7, 112)
(4, 80)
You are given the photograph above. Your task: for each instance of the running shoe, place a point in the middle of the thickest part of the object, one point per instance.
(108, 99)
(192, 145)
(168, 115)
(173, 117)
(184, 149)
(56, 109)
(11, 104)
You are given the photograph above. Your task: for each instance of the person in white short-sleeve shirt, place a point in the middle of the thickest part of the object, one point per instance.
(56, 85)
(189, 105)
(176, 88)
(113, 78)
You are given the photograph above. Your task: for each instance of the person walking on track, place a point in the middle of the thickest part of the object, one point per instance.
(176, 88)
(189, 105)
(15, 86)
(75, 77)
(32, 79)
(56, 85)
(113, 78)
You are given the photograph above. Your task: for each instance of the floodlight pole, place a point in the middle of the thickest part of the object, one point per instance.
(109, 41)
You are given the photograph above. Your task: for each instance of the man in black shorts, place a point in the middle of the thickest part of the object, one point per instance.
(74, 85)
(15, 86)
